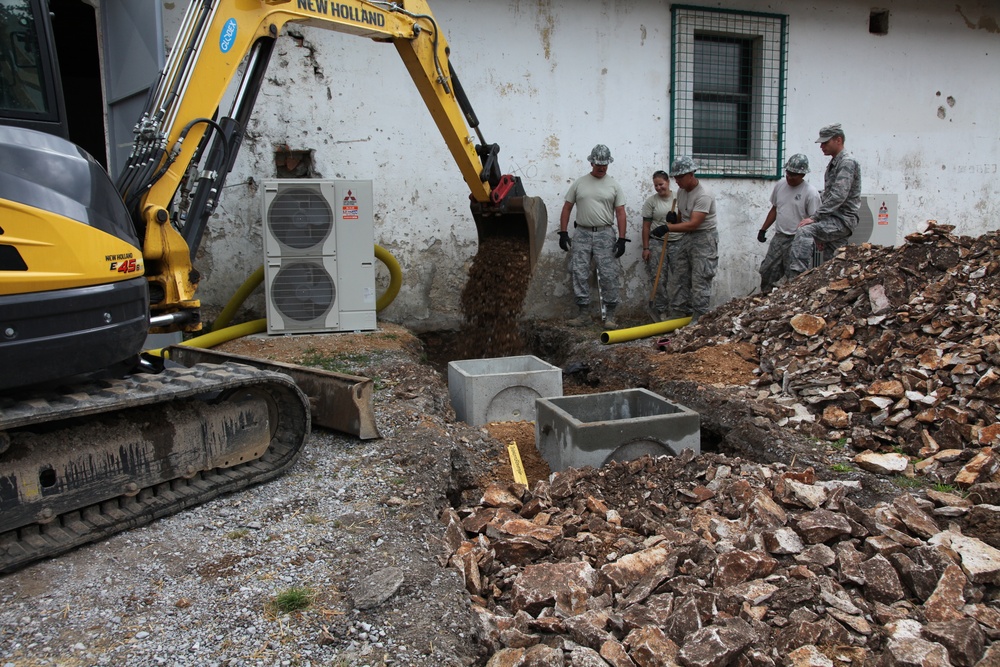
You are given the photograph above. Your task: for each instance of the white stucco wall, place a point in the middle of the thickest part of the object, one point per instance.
(550, 78)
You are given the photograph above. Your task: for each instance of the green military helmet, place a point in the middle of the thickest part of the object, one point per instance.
(683, 165)
(600, 154)
(797, 164)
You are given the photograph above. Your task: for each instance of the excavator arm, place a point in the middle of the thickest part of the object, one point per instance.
(183, 148)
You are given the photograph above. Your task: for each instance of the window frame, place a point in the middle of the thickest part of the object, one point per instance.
(767, 35)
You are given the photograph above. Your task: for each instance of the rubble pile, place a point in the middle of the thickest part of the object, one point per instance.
(893, 349)
(711, 561)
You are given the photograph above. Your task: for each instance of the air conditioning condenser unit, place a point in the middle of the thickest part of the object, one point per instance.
(877, 220)
(319, 255)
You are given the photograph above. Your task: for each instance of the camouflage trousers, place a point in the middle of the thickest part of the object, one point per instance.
(693, 262)
(775, 263)
(597, 246)
(661, 299)
(831, 233)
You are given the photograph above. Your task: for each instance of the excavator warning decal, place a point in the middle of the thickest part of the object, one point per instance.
(349, 210)
(228, 36)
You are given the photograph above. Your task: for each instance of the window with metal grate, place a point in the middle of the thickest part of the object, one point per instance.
(728, 91)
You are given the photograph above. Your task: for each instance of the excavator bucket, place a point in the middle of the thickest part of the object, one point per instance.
(516, 216)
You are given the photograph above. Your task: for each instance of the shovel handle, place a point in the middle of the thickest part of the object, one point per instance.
(659, 268)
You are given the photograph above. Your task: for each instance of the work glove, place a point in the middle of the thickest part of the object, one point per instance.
(659, 231)
(620, 247)
(671, 217)
(762, 236)
(564, 242)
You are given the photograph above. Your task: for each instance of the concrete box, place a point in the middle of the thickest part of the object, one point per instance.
(502, 389)
(595, 429)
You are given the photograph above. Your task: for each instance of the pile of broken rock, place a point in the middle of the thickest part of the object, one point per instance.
(711, 561)
(895, 350)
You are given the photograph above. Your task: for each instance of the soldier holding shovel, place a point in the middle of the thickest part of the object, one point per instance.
(657, 211)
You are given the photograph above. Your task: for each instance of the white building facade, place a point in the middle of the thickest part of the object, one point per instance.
(742, 84)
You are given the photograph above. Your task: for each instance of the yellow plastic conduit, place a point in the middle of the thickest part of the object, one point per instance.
(395, 277)
(622, 335)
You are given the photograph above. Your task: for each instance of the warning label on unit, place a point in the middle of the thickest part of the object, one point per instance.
(349, 211)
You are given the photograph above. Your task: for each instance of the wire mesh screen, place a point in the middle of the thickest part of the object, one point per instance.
(728, 92)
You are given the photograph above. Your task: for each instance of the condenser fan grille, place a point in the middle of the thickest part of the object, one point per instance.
(300, 218)
(303, 291)
(866, 223)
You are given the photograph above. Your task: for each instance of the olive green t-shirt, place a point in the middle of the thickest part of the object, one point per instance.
(655, 208)
(596, 200)
(699, 199)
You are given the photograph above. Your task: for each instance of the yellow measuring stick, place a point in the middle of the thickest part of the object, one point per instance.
(515, 463)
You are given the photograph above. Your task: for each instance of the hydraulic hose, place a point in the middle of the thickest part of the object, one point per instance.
(644, 331)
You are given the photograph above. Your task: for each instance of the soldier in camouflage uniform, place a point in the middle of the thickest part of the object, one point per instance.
(837, 216)
(791, 200)
(600, 203)
(697, 252)
(657, 210)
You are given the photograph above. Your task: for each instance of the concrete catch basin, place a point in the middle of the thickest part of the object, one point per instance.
(595, 429)
(502, 389)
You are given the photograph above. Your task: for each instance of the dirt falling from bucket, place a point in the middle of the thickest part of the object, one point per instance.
(492, 299)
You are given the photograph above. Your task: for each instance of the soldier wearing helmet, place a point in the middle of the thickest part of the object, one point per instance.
(792, 199)
(837, 215)
(694, 257)
(599, 236)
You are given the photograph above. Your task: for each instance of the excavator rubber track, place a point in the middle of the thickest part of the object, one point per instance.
(82, 463)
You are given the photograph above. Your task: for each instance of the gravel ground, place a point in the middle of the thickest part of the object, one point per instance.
(353, 529)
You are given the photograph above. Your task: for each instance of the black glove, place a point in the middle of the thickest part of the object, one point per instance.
(564, 242)
(620, 247)
(659, 231)
(762, 236)
(671, 217)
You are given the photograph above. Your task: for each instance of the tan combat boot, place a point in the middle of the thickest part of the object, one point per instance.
(582, 318)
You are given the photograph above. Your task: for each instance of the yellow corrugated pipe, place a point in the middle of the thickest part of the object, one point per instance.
(218, 337)
(395, 277)
(248, 286)
(646, 330)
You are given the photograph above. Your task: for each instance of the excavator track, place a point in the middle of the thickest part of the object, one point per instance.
(89, 461)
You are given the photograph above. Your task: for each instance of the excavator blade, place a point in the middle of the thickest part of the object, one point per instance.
(337, 401)
(519, 216)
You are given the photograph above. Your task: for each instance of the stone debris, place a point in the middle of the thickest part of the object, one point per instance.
(711, 561)
(492, 299)
(889, 349)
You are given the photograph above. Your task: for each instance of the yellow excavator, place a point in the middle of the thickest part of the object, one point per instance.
(96, 437)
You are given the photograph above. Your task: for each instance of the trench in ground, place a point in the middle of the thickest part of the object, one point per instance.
(444, 346)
